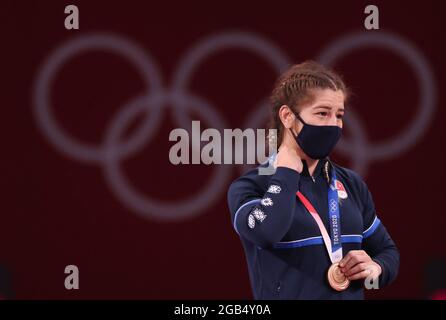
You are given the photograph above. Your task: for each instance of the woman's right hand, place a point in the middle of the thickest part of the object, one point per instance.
(288, 157)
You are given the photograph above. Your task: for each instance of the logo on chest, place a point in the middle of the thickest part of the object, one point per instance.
(342, 193)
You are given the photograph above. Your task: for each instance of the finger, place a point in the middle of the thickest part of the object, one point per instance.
(354, 260)
(360, 275)
(358, 257)
(344, 260)
(347, 257)
(358, 268)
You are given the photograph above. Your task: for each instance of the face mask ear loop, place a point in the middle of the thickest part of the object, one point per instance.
(300, 118)
(293, 134)
(291, 130)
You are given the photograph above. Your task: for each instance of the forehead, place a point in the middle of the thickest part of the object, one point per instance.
(327, 98)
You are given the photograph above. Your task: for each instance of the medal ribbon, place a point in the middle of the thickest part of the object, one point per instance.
(333, 244)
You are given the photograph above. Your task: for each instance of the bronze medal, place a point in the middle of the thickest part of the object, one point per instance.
(336, 278)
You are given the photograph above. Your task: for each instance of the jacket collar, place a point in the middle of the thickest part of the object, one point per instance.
(319, 170)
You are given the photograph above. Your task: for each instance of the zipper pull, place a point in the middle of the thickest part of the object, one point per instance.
(313, 179)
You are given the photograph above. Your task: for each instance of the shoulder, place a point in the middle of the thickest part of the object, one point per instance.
(347, 174)
(252, 180)
(245, 188)
(356, 186)
(354, 180)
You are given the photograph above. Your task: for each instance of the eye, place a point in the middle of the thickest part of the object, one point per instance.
(340, 116)
(322, 114)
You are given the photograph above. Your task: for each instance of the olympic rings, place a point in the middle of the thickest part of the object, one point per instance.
(157, 98)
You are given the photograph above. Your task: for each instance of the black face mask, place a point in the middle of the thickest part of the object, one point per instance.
(317, 141)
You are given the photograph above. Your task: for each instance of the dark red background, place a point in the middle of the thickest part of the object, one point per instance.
(57, 211)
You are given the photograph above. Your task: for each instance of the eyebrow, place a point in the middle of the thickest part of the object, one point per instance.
(327, 107)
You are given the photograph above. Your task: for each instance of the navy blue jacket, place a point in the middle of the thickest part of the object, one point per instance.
(284, 249)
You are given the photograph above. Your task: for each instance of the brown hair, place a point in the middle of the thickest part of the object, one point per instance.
(294, 88)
